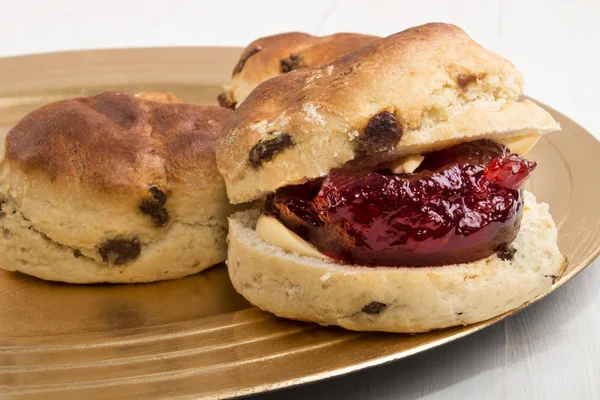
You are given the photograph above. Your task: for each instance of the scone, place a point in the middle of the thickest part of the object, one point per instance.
(279, 54)
(393, 179)
(114, 188)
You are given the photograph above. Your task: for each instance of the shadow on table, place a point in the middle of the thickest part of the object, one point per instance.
(438, 369)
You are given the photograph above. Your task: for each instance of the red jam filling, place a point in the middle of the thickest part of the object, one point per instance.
(462, 204)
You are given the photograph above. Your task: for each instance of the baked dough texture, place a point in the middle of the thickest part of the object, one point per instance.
(270, 56)
(113, 188)
(420, 90)
(394, 299)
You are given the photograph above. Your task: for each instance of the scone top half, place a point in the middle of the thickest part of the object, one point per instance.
(393, 179)
(117, 182)
(440, 87)
(270, 56)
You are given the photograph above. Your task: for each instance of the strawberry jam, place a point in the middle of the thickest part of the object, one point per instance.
(462, 204)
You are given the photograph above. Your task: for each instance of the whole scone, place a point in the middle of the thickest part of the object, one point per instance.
(279, 54)
(113, 188)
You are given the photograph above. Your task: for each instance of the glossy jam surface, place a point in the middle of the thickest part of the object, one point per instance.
(462, 204)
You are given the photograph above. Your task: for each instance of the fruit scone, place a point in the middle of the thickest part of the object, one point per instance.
(393, 180)
(270, 56)
(113, 188)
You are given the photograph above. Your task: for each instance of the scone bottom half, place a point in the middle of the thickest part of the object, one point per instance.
(387, 211)
(114, 188)
(394, 299)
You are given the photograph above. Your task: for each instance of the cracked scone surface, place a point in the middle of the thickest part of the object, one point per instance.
(113, 188)
(436, 86)
(394, 299)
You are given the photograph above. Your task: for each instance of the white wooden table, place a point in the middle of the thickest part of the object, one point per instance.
(549, 351)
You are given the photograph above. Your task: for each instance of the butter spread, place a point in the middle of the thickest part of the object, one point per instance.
(519, 144)
(516, 144)
(407, 164)
(272, 231)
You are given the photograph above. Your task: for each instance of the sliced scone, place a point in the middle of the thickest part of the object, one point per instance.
(393, 179)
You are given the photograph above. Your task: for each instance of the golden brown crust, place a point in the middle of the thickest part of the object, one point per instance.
(274, 55)
(116, 141)
(440, 86)
(114, 188)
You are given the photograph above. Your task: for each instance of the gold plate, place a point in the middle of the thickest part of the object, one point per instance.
(195, 336)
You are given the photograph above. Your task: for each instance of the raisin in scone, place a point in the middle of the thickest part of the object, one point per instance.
(114, 188)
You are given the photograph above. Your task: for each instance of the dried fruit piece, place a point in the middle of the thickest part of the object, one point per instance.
(374, 307)
(382, 133)
(506, 252)
(226, 101)
(265, 150)
(292, 63)
(154, 207)
(120, 251)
